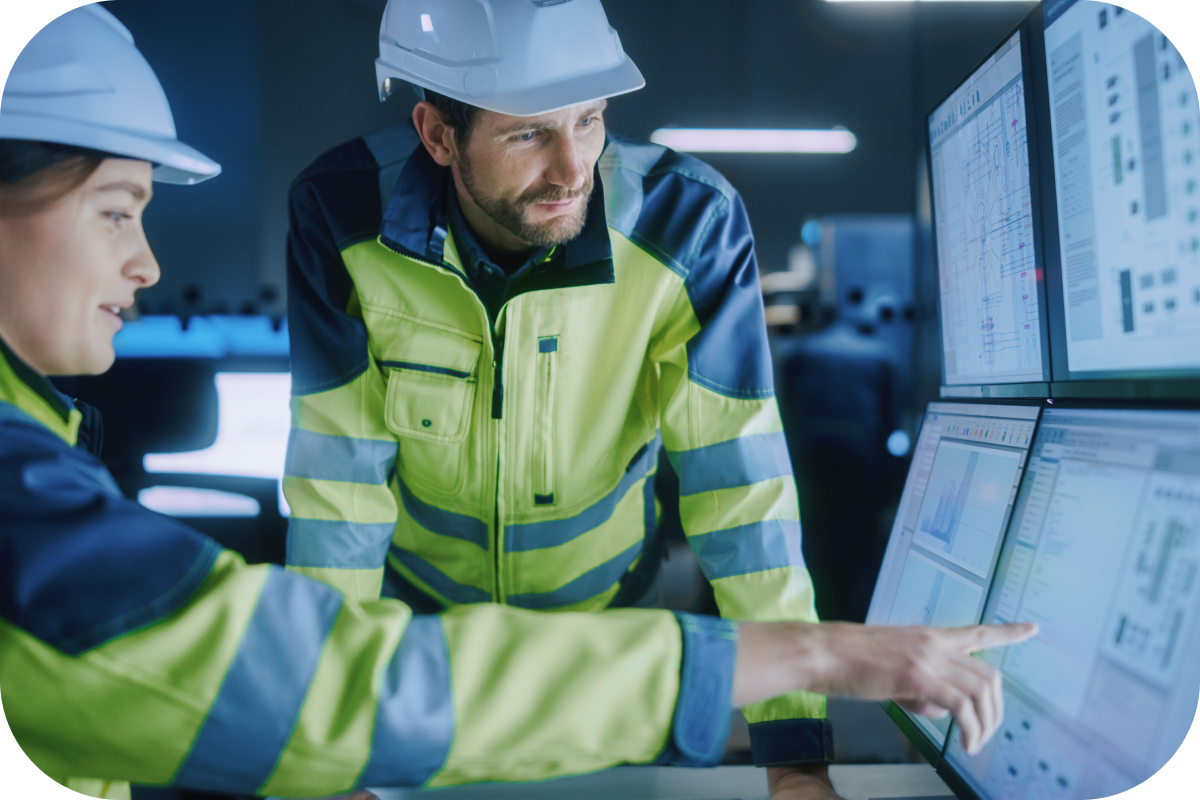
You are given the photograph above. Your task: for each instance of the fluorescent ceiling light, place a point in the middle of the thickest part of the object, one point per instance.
(734, 140)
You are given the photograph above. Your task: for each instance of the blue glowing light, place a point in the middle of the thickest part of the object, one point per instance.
(898, 443)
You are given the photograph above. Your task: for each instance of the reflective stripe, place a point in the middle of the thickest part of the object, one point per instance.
(589, 584)
(322, 457)
(447, 587)
(759, 546)
(414, 723)
(552, 533)
(336, 544)
(256, 709)
(442, 522)
(737, 462)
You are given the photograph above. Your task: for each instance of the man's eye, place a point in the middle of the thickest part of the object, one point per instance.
(587, 121)
(527, 136)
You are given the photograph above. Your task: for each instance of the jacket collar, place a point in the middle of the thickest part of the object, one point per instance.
(32, 392)
(415, 223)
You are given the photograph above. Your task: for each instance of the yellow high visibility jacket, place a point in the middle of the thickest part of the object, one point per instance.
(511, 459)
(132, 648)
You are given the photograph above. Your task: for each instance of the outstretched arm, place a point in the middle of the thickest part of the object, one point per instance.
(928, 671)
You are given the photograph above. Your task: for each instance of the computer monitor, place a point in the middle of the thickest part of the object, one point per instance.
(1103, 552)
(946, 538)
(1123, 232)
(987, 228)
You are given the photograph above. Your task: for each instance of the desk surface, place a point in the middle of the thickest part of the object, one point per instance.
(854, 782)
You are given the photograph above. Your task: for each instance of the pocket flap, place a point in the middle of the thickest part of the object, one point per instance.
(431, 385)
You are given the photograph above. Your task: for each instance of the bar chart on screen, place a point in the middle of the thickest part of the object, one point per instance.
(965, 504)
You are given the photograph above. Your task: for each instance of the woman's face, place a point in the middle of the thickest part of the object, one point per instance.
(68, 270)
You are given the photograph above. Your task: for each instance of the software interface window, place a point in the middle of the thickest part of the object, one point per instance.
(979, 155)
(1126, 132)
(950, 523)
(1103, 552)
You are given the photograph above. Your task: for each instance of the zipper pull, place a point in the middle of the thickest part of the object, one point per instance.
(498, 389)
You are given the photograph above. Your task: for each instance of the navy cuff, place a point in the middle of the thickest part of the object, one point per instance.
(700, 728)
(791, 741)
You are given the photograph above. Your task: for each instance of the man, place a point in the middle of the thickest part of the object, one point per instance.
(498, 313)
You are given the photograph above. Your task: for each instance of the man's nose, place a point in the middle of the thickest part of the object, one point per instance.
(566, 169)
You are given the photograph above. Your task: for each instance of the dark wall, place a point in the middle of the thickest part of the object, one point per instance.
(265, 86)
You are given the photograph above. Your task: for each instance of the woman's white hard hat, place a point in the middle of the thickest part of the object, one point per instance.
(82, 82)
(517, 57)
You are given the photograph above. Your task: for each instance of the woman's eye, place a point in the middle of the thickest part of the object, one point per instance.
(116, 217)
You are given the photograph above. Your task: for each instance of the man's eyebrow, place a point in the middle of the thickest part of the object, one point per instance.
(138, 192)
(541, 126)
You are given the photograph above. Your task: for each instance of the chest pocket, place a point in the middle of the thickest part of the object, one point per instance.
(432, 378)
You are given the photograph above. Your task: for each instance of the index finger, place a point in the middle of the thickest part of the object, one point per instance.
(981, 637)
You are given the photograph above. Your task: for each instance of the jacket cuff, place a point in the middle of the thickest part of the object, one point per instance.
(700, 727)
(791, 741)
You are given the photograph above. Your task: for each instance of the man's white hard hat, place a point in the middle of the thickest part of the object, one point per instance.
(517, 57)
(82, 82)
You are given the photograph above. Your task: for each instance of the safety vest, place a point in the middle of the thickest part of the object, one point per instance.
(132, 648)
(512, 460)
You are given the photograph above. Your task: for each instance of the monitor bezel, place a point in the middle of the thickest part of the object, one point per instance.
(1048, 189)
(1031, 118)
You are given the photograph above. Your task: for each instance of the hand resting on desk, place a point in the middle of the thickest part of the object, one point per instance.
(928, 671)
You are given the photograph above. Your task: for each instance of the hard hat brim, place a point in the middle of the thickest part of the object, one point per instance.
(174, 161)
(622, 79)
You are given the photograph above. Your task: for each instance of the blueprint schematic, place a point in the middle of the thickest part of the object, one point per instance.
(984, 219)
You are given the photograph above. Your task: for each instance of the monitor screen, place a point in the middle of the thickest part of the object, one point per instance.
(1103, 552)
(253, 424)
(956, 503)
(991, 321)
(1125, 126)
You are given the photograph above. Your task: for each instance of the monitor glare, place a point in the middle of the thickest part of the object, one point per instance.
(983, 220)
(1126, 130)
(1103, 552)
(956, 502)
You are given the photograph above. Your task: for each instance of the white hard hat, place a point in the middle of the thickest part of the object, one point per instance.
(81, 82)
(517, 57)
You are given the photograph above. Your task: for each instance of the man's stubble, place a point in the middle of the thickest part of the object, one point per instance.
(511, 214)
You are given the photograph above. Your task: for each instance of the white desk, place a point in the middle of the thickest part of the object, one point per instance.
(854, 782)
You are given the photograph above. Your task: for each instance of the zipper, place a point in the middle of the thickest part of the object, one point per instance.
(543, 443)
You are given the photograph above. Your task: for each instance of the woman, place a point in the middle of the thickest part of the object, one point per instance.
(133, 648)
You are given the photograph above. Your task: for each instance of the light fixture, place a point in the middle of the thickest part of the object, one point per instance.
(735, 140)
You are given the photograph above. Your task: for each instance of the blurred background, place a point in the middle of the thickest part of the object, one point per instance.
(196, 407)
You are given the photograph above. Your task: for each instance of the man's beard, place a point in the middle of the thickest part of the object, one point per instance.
(511, 214)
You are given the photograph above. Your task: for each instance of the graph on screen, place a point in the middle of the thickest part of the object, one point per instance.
(963, 511)
(930, 594)
(984, 220)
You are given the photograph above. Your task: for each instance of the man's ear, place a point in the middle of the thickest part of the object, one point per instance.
(436, 135)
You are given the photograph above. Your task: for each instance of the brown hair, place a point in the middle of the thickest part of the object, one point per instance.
(35, 175)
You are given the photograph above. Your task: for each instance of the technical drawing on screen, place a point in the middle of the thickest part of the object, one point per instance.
(1125, 124)
(983, 217)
